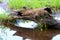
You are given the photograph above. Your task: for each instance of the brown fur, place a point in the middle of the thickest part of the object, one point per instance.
(33, 12)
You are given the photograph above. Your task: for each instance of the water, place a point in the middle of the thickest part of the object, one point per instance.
(26, 24)
(4, 5)
(8, 34)
(56, 37)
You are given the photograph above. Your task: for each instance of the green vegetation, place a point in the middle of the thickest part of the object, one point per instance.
(0, 0)
(18, 4)
(4, 14)
(42, 26)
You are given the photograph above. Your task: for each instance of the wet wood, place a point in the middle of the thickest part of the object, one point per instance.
(34, 34)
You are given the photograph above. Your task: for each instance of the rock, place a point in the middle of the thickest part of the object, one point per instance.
(51, 22)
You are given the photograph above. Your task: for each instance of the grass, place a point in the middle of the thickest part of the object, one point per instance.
(0, 0)
(18, 4)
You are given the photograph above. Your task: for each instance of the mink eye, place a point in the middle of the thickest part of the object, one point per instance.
(19, 13)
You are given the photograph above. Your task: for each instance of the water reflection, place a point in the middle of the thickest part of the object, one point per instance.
(8, 34)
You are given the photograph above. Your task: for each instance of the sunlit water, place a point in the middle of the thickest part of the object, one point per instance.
(26, 24)
(56, 37)
(8, 34)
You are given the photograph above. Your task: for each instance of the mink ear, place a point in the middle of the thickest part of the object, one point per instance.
(48, 10)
